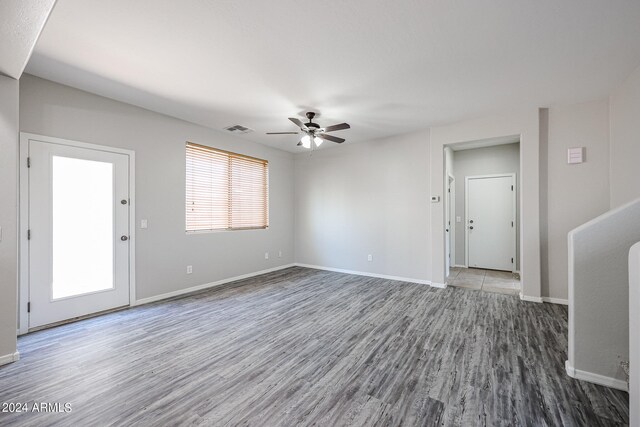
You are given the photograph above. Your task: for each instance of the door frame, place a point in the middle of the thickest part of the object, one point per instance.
(23, 218)
(450, 202)
(513, 214)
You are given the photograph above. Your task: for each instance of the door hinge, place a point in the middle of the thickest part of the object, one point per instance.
(28, 234)
(449, 190)
(512, 223)
(512, 188)
(29, 307)
(28, 162)
(511, 260)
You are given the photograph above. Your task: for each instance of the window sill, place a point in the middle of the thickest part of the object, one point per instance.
(225, 230)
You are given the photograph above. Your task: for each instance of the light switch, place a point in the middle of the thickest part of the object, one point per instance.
(576, 155)
(458, 219)
(143, 223)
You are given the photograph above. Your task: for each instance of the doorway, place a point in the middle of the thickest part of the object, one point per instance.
(76, 217)
(477, 175)
(491, 219)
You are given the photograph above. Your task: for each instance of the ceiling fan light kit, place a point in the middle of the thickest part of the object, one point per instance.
(313, 132)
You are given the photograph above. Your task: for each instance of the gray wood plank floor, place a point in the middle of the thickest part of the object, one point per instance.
(310, 347)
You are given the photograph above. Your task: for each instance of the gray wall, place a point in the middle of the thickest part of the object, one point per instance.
(625, 141)
(575, 193)
(484, 161)
(8, 213)
(164, 249)
(365, 198)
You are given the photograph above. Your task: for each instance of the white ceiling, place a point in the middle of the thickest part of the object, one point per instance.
(385, 67)
(21, 23)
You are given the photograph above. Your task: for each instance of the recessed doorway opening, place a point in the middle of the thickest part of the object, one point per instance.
(482, 207)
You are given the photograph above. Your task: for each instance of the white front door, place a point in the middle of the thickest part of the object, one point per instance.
(78, 231)
(491, 222)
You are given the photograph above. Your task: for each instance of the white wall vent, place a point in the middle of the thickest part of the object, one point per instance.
(238, 129)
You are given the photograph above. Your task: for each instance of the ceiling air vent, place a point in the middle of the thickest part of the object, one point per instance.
(238, 129)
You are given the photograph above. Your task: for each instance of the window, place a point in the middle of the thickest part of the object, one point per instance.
(225, 191)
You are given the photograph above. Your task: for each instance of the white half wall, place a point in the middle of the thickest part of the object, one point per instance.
(634, 336)
(599, 295)
(365, 198)
(163, 250)
(625, 141)
(8, 217)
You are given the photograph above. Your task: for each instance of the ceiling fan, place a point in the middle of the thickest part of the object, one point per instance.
(313, 131)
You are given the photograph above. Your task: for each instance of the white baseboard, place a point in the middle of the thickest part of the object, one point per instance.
(381, 276)
(438, 285)
(9, 358)
(206, 285)
(595, 378)
(555, 300)
(529, 298)
(459, 266)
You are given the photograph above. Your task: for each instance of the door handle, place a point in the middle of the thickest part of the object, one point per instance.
(470, 221)
(471, 227)
(124, 238)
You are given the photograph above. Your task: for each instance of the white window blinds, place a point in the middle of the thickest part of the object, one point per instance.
(225, 191)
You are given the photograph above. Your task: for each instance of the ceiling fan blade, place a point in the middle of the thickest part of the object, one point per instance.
(282, 133)
(331, 138)
(298, 123)
(341, 126)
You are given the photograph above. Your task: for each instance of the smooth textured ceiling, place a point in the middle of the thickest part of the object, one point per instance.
(21, 23)
(384, 67)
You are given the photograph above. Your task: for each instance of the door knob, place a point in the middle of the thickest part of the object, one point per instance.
(471, 227)
(470, 221)
(124, 238)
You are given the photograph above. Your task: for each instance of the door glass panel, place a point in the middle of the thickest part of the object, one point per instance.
(82, 226)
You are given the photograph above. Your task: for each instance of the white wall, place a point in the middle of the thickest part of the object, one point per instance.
(164, 249)
(625, 141)
(365, 198)
(525, 123)
(484, 161)
(574, 194)
(8, 216)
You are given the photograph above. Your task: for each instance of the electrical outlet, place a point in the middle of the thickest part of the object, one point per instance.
(266, 255)
(189, 269)
(144, 223)
(279, 254)
(369, 257)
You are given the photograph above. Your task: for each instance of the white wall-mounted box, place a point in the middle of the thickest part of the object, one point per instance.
(576, 155)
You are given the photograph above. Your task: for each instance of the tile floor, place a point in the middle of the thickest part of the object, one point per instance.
(501, 282)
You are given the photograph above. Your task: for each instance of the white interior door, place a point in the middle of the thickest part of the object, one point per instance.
(491, 222)
(78, 231)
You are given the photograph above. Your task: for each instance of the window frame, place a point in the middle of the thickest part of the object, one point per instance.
(230, 155)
